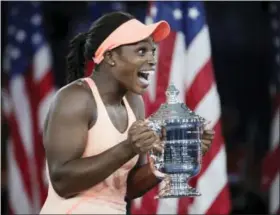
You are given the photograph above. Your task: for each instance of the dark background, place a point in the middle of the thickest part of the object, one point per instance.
(243, 57)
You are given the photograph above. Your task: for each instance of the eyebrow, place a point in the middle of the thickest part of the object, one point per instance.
(147, 41)
(142, 42)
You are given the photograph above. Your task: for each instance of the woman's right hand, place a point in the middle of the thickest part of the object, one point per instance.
(142, 138)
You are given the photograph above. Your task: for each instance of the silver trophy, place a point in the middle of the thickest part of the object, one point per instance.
(182, 154)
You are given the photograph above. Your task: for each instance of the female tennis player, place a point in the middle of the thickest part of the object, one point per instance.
(95, 132)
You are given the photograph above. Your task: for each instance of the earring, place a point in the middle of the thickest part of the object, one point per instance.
(113, 63)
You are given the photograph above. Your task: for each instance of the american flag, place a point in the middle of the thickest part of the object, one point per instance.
(28, 64)
(271, 163)
(185, 58)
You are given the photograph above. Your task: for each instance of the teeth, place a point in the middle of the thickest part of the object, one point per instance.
(150, 72)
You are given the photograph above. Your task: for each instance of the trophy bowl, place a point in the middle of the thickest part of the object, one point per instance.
(181, 159)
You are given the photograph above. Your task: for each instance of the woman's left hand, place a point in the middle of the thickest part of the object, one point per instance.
(207, 138)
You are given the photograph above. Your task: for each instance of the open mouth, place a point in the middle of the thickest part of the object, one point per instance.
(144, 76)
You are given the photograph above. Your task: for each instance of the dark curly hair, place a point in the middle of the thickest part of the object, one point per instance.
(84, 45)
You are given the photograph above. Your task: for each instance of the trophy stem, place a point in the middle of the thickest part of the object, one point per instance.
(180, 187)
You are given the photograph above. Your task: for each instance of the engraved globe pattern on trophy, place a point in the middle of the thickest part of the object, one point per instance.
(181, 158)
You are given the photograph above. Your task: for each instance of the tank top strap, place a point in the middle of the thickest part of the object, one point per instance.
(99, 103)
(131, 115)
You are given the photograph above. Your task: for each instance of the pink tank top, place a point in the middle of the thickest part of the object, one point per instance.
(107, 197)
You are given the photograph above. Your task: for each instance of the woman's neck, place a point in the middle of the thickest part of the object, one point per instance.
(109, 88)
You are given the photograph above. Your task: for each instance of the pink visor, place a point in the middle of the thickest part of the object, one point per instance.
(129, 32)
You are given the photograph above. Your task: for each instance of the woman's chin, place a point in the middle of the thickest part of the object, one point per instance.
(139, 90)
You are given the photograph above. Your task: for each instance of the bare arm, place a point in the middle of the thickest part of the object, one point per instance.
(140, 179)
(65, 141)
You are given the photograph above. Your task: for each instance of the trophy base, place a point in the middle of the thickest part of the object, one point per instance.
(179, 188)
(190, 192)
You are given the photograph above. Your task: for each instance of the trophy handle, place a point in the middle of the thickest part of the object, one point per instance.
(155, 171)
(156, 161)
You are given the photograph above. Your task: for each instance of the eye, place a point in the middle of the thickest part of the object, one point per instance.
(142, 51)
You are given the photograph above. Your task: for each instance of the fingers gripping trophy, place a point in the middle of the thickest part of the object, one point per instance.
(182, 155)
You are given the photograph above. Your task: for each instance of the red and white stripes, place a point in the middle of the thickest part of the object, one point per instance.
(203, 98)
(26, 105)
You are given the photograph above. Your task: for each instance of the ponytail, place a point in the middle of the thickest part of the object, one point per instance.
(76, 58)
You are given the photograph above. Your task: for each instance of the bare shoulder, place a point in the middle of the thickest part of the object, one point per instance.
(73, 99)
(136, 103)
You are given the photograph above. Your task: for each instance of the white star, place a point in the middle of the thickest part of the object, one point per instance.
(153, 11)
(11, 30)
(36, 19)
(193, 13)
(14, 53)
(177, 13)
(36, 38)
(20, 36)
(148, 20)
